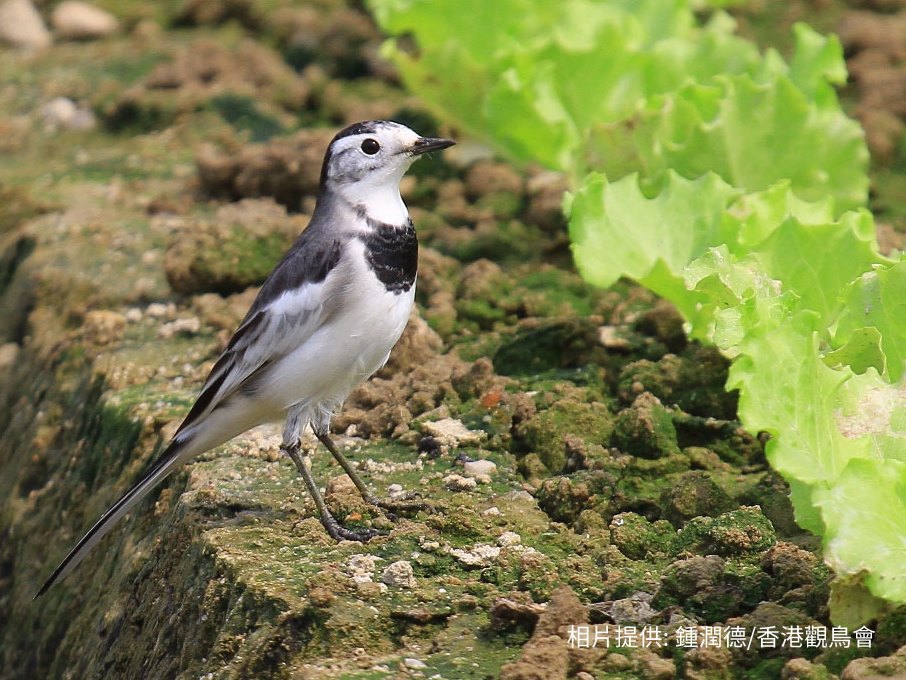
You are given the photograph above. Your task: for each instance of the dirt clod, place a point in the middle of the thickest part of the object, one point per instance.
(646, 429)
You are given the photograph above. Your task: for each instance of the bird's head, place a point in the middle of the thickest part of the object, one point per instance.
(371, 158)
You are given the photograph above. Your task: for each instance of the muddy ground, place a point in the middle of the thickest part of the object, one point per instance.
(583, 458)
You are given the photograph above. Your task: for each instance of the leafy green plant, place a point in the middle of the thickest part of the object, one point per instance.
(741, 201)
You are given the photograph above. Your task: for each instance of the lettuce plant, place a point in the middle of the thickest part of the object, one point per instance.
(739, 196)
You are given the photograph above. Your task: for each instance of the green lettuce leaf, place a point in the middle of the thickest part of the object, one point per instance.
(617, 231)
(725, 125)
(865, 514)
(877, 299)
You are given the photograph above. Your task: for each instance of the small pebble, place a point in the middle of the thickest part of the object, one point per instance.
(609, 337)
(76, 20)
(399, 574)
(452, 432)
(456, 482)
(61, 113)
(482, 555)
(8, 354)
(158, 310)
(361, 568)
(508, 538)
(187, 326)
(479, 468)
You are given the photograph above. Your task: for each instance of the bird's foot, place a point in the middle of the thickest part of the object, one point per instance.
(338, 532)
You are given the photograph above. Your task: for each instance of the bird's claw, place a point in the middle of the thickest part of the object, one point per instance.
(363, 535)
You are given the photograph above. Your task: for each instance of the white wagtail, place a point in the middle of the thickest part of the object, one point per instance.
(324, 321)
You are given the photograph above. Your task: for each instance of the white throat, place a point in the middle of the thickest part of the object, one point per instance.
(381, 200)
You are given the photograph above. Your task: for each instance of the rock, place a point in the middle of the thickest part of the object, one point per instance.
(546, 654)
(612, 338)
(635, 609)
(542, 344)
(640, 539)
(506, 612)
(75, 20)
(22, 26)
(216, 12)
(61, 113)
(645, 429)
(321, 597)
(399, 574)
(794, 571)
(159, 310)
(236, 249)
(480, 469)
(509, 538)
(564, 497)
(8, 353)
(452, 432)
(547, 432)
(103, 327)
(456, 482)
(545, 191)
(654, 667)
(698, 583)
(665, 323)
(414, 664)
(496, 187)
(803, 669)
(286, 169)
(340, 41)
(875, 669)
(481, 555)
(771, 615)
(247, 84)
(740, 531)
(687, 380)
(709, 663)
(361, 568)
(693, 494)
(186, 326)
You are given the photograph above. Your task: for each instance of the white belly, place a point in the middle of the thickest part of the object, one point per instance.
(348, 348)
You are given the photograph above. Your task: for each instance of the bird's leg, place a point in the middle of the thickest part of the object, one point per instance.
(407, 503)
(336, 530)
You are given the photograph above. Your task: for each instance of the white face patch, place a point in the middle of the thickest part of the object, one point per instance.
(366, 169)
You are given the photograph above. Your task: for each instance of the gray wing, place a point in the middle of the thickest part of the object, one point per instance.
(298, 296)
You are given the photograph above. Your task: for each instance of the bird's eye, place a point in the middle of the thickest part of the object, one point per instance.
(371, 146)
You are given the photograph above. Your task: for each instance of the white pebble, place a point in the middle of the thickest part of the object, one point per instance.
(481, 555)
(452, 432)
(399, 574)
(480, 468)
(456, 482)
(508, 538)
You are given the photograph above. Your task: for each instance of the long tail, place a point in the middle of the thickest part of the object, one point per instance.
(168, 461)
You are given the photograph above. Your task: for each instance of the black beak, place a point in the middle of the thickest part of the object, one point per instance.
(426, 144)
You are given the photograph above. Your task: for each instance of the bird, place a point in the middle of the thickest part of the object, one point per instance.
(325, 319)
